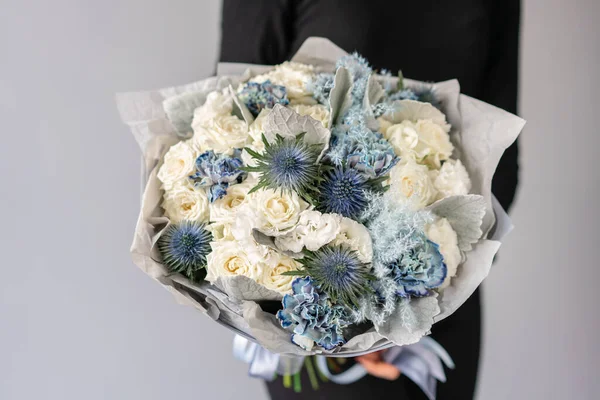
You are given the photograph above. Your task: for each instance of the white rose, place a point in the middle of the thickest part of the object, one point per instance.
(294, 76)
(451, 180)
(384, 124)
(424, 140)
(178, 163)
(221, 133)
(356, 237)
(227, 258)
(220, 231)
(217, 103)
(441, 233)
(275, 265)
(313, 231)
(411, 181)
(276, 212)
(182, 201)
(318, 112)
(224, 209)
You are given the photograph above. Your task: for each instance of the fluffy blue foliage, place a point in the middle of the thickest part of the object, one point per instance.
(343, 191)
(310, 313)
(257, 96)
(360, 70)
(217, 171)
(419, 270)
(321, 87)
(184, 247)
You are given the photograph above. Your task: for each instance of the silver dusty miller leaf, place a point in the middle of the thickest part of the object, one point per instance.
(465, 214)
(289, 124)
(340, 98)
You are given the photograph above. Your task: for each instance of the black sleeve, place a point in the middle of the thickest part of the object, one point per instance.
(500, 88)
(257, 32)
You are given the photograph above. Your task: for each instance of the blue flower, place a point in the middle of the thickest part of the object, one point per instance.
(419, 270)
(184, 247)
(287, 164)
(257, 96)
(311, 315)
(343, 191)
(424, 93)
(338, 271)
(217, 172)
(363, 150)
(321, 86)
(360, 70)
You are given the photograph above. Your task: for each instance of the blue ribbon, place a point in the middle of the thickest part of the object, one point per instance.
(422, 362)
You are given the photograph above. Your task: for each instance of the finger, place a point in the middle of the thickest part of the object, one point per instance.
(381, 369)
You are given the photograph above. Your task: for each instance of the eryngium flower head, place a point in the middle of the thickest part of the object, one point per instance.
(184, 247)
(287, 164)
(311, 315)
(217, 172)
(344, 191)
(419, 270)
(257, 96)
(338, 271)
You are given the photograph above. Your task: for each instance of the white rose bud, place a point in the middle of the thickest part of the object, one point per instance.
(411, 181)
(217, 103)
(224, 209)
(275, 265)
(182, 201)
(178, 163)
(276, 212)
(441, 233)
(222, 133)
(424, 141)
(228, 259)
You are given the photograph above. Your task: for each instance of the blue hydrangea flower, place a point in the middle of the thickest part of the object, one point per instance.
(257, 96)
(419, 270)
(311, 315)
(344, 191)
(217, 172)
(184, 247)
(363, 150)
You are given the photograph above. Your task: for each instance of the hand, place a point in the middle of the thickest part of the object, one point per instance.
(374, 364)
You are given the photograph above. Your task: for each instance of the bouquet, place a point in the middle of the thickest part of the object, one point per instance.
(318, 206)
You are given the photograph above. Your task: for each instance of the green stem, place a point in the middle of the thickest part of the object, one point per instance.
(312, 376)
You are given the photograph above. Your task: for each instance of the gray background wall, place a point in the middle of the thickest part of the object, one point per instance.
(79, 321)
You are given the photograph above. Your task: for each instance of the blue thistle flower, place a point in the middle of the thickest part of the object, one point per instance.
(184, 247)
(312, 315)
(419, 270)
(338, 271)
(287, 164)
(344, 191)
(217, 172)
(257, 96)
